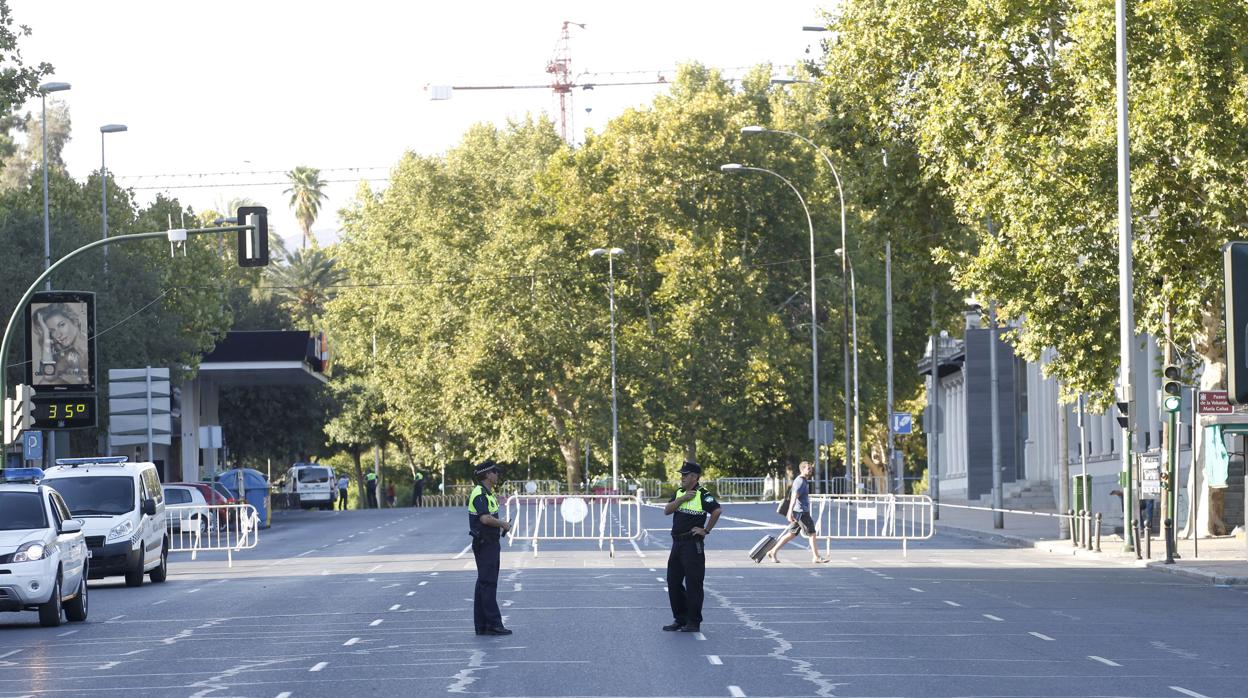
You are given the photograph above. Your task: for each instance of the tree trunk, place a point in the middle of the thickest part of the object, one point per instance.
(361, 496)
(1063, 466)
(569, 445)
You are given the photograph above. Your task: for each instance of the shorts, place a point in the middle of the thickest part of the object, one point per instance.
(804, 524)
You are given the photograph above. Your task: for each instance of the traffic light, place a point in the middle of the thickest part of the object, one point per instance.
(1124, 414)
(18, 414)
(1171, 388)
(253, 243)
(1235, 282)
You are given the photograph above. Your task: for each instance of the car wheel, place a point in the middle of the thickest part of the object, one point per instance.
(76, 610)
(50, 612)
(134, 576)
(159, 574)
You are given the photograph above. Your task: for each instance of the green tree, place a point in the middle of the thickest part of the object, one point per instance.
(303, 282)
(307, 193)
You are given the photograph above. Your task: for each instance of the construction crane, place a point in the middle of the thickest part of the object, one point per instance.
(562, 82)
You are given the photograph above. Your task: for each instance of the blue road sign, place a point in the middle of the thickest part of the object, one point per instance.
(903, 423)
(32, 445)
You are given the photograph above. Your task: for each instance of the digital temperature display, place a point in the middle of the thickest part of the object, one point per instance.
(64, 412)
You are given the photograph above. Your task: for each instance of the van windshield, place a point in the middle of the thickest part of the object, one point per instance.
(105, 495)
(21, 510)
(314, 475)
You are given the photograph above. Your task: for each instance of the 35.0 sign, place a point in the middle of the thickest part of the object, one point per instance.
(64, 411)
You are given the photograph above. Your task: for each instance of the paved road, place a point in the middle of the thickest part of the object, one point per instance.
(379, 603)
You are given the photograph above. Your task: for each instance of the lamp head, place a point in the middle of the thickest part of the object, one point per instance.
(600, 251)
(53, 87)
(730, 168)
(754, 129)
(113, 128)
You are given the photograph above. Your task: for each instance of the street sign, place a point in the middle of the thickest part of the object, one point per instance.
(139, 406)
(1150, 474)
(32, 445)
(1214, 402)
(825, 431)
(903, 423)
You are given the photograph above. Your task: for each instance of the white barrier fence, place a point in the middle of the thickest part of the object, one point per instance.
(196, 528)
(605, 518)
(729, 488)
(902, 517)
(531, 487)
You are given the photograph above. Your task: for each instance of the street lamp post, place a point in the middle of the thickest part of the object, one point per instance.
(615, 424)
(106, 129)
(844, 269)
(853, 295)
(733, 168)
(44, 89)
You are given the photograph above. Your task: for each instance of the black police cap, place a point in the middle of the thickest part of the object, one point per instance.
(690, 467)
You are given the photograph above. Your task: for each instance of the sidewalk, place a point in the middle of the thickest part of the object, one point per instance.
(1221, 561)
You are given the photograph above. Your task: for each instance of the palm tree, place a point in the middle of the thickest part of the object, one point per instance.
(304, 282)
(307, 191)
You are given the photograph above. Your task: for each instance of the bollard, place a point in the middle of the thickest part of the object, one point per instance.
(1169, 541)
(1098, 531)
(1083, 529)
(1074, 527)
(1135, 525)
(1148, 540)
(1088, 541)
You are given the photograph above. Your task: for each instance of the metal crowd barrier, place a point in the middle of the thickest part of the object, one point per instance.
(728, 488)
(867, 484)
(539, 487)
(196, 528)
(606, 518)
(902, 517)
(650, 487)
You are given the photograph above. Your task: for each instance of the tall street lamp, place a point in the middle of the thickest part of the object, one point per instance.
(44, 89)
(615, 423)
(106, 129)
(734, 168)
(844, 262)
(853, 293)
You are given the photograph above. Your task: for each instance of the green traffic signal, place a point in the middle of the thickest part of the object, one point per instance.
(1171, 403)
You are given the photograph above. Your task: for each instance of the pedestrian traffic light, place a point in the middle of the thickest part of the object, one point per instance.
(1235, 281)
(253, 242)
(1124, 414)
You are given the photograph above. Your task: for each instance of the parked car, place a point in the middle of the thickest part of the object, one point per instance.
(192, 512)
(215, 494)
(314, 483)
(122, 509)
(43, 553)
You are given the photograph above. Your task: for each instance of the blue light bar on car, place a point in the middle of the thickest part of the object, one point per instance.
(24, 475)
(94, 460)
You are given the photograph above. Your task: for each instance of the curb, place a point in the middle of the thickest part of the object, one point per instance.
(1062, 548)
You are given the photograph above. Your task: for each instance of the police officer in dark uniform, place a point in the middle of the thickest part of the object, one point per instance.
(486, 530)
(686, 565)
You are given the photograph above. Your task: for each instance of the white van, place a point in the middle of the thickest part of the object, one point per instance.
(314, 483)
(122, 509)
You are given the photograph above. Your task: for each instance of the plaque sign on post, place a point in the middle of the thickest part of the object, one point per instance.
(1214, 402)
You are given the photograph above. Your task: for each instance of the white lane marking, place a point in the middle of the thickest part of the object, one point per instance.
(1103, 660)
(157, 603)
(736, 692)
(434, 574)
(390, 586)
(519, 586)
(1186, 692)
(132, 652)
(309, 552)
(410, 593)
(507, 603)
(954, 604)
(714, 659)
(652, 569)
(9, 653)
(107, 665)
(350, 642)
(394, 607)
(376, 549)
(1042, 636)
(115, 618)
(67, 632)
(989, 616)
(463, 552)
(423, 583)
(318, 666)
(661, 579)
(374, 569)
(192, 591)
(375, 623)
(637, 548)
(916, 590)
(283, 694)
(699, 636)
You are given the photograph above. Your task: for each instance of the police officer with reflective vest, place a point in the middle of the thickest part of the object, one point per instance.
(486, 530)
(690, 508)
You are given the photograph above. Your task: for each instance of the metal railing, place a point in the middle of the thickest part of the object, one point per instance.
(196, 528)
(729, 488)
(1084, 525)
(605, 518)
(511, 487)
(868, 484)
(904, 517)
(651, 488)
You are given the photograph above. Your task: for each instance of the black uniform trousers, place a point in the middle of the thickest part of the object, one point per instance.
(485, 613)
(686, 569)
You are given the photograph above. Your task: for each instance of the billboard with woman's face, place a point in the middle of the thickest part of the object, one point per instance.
(60, 346)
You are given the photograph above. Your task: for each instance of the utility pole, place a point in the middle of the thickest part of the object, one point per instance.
(1126, 310)
(998, 518)
(938, 424)
(1063, 465)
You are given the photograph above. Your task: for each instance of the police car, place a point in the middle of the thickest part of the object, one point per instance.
(43, 554)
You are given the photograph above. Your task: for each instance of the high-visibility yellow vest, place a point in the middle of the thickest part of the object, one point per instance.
(693, 506)
(491, 502)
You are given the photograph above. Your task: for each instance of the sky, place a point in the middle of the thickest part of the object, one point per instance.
(222, 98)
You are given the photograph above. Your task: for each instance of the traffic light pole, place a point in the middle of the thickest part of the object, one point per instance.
(171, 235)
